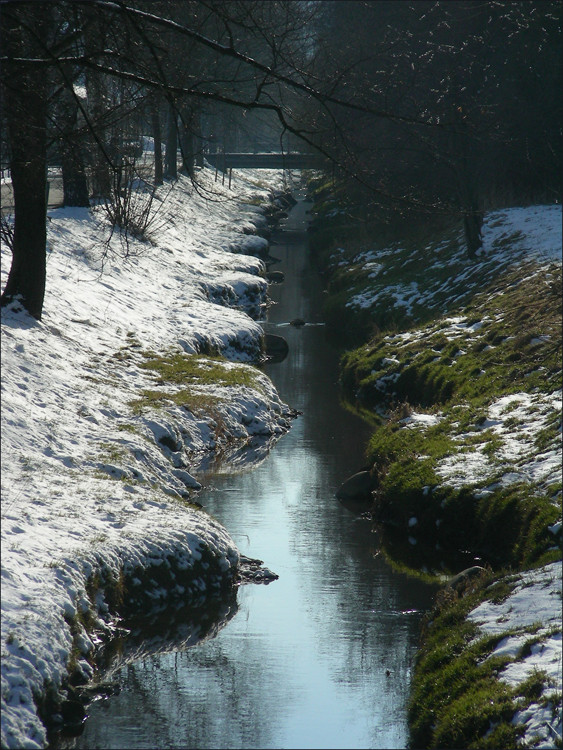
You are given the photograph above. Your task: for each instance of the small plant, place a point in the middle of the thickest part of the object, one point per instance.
(197, 403)
(183, 369)
(193, 373)
(457, 699)
(113, 452)
(130, 206)
(133, 429)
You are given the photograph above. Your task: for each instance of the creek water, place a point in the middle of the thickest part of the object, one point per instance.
(321, 657)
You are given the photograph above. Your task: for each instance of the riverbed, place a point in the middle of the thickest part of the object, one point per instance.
(321, 657)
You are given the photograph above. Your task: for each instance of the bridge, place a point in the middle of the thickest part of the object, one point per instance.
(268, 160)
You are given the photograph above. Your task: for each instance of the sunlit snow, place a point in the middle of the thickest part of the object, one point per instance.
(86, 480)
(517, 420)
(532, 612)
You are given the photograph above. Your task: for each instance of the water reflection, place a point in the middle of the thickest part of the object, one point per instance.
(321, 657)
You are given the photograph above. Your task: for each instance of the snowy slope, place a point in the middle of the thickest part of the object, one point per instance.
(89, 483)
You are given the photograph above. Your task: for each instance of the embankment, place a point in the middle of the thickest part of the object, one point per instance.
(458, 367)
(140, 372)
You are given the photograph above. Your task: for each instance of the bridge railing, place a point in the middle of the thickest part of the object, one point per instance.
(269, 160)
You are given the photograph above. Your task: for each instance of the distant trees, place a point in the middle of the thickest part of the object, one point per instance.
(472, 94)
(91, 75)
(427, 106)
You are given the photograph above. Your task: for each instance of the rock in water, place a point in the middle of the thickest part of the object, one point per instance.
(275, 277)
(461, 579)
(276, 347)
(357, 487)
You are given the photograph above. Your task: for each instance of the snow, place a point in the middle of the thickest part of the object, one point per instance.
(509, 236)
(532, 612)
(89, 483)
(532, 230)
(417, 419)
(517, 420)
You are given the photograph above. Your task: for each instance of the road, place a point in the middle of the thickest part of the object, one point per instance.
(55, 195)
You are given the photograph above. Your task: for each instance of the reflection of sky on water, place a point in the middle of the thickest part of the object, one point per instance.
(303, 663)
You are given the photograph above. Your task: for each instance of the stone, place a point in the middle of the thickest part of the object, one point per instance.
(464, 576)
(73, 713)
(357, 487)
(276, 347)
(252, 570)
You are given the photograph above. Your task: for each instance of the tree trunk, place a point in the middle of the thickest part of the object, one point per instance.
(472, 223)
(75, 183)
(100, 158)
(97, 88)
(187, 143)
(25, 99)
(467, 187)
(472, 216)
(172, 144)
(198, 140)
(157, 136)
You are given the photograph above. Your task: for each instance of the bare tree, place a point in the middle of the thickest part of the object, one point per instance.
(473, 89)
(25, 96)
(120, 51)
(378, 90)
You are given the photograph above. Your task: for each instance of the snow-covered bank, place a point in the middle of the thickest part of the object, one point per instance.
(98, 451)
(530, 616)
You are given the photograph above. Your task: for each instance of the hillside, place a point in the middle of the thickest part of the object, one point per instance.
(460, 376)
(138, 376)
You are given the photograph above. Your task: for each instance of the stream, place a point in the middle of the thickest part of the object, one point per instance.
(321, 657)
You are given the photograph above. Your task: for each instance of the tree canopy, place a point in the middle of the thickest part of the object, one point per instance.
(427, 106)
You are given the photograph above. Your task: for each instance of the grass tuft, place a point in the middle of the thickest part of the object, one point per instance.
(191, 377)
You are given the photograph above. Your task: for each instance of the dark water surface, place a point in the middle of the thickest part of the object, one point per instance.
(304, 661)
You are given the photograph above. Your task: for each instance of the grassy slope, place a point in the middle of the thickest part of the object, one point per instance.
(477, 346)
(457, 698)
(463, 363)
(504, 343)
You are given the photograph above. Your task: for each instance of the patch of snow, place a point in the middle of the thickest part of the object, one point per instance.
(534, 230)
(426, 420)
(509, 236)
(528, 414)
(533, 610)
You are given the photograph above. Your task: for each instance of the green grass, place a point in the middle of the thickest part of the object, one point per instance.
(113, 452)
(188, 374)
(458, 380)
(193, 369)
(514, 314)
(197, 403)
(506, 527)
(457, 699)
(127, 427)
